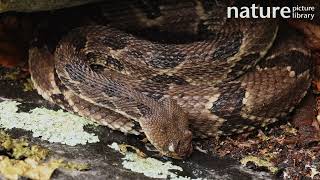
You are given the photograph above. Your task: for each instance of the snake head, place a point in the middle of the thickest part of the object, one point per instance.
(168, 130)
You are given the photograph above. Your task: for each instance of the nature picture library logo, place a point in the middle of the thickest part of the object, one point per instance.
(256, 11)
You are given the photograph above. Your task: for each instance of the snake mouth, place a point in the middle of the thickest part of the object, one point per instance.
(180, 154)
(183, 151)
(188, 152)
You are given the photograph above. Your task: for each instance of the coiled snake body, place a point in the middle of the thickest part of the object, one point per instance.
(228, 80)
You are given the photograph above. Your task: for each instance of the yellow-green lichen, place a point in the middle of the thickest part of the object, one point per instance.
(29, 161)
(74, 166)
(138, 162)
(53, 126)
(28, 85)
(11, 75)
(260, 162)
(19, 148)
(13, 169)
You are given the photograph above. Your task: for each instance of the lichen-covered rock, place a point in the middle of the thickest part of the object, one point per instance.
(36, 5)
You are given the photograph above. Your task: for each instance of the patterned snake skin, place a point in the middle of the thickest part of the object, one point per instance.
(234, 76)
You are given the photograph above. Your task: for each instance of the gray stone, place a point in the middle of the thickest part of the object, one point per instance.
(105, 162)
(39, 5)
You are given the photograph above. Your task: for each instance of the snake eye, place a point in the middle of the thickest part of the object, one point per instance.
(188, 133)
(173, 146)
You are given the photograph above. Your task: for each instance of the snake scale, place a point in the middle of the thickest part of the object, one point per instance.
(232, 76)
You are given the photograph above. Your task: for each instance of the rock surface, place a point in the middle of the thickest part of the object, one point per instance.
(105, 162)
(36, 5)
(280, 145)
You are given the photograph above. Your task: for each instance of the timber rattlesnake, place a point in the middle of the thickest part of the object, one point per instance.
(209, 86)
